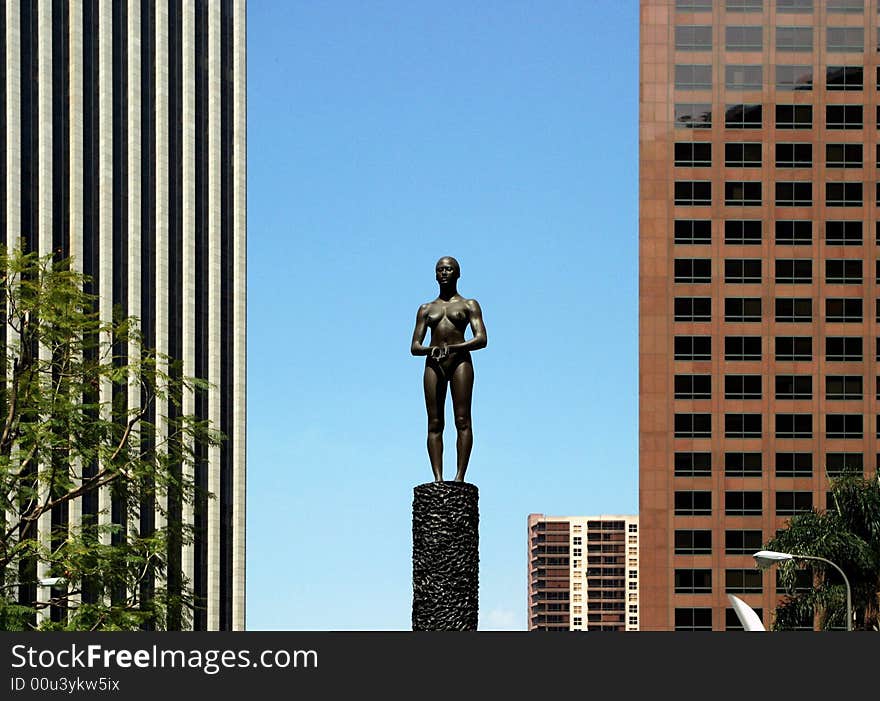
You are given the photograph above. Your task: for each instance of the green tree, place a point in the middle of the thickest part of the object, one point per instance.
(91, 421)
(848, 534)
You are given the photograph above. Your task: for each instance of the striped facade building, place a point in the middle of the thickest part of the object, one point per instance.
(123, 146)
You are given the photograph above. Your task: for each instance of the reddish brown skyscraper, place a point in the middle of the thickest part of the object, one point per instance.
(758, 285)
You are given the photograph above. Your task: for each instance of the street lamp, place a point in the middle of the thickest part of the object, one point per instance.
(768, 558)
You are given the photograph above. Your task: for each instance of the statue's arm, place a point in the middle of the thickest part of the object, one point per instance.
(416, 347)
(477, 327)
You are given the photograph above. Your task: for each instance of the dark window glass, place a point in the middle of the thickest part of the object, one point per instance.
(838, 463)
(743, 581)
(692, 5)
(742, 386)
(742, 347)
(742, 194)
(843, 116)
(803, 581)
(794, 194)
(794, 348)
(843, 155)
(794, 38)
(845, 39)
(845, 310)
(794, 426)
(843, 348)
(695, 193)
(794, 387)
(742, 155)
(693, 619)
(794, 155)
(693, 231)
(795, 233)
(839, 6)
(791, 503)
(744, 5)
(695, 154)
(794, 309)
(742, 425)
(843, 387)
(693, 347)
(794, 116)
(794, 78)
(743, 77)
(844, 77)
(693, 269)
(795, 6)
(799, 270)
(843, 271)
(693, 386)
(844, 426)
(689, 581)
(742, 117)
(693, 503)
(742, 309)
(693, 425)
(742, 503)
(693, 308)
(742, 232)
(843, 194)
(693, 464)
(742, 464)
(689, 542)
(843, 233)
(693, 115)
(742, 542)
(742, 271)
(794, 464)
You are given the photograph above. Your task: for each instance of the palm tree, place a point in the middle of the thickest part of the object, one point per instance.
(848, 534)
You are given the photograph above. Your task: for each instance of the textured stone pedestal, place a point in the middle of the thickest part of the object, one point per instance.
(446, 558)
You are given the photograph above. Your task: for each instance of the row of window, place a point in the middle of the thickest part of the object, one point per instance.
(698, 193)
(784, 6)
(742, 503)
(788, 271)
(698, 76)
(789, 464)
(698, 115)
(736, 580)
(837, 348)
(787, 426)
(787, 232)
(698, 154)
(788, 309)
(698, 37)
(700, 619)
(837, 387)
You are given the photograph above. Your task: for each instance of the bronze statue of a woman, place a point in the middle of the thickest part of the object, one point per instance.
(449, 362)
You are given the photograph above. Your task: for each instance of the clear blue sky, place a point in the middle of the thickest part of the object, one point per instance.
(382, 136)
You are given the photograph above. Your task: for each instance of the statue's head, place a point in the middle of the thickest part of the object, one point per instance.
(447, 270)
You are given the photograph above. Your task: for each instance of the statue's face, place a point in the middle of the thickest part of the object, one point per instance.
(447, 270)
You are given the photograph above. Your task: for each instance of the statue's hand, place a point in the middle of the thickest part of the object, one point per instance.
(439, 352)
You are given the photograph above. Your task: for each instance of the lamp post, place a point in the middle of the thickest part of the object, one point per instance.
(768, 558)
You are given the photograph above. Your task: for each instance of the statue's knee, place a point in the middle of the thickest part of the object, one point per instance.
(435, 426)
(462, 423)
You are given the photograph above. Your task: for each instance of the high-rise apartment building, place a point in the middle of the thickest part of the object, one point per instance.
(583, 573)
(759, 274)
(123, 145)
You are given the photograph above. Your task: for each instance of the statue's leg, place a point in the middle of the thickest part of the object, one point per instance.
(462, 390)
(435, 399)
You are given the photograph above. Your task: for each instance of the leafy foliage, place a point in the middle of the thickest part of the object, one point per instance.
(91, 422)
(848, 534)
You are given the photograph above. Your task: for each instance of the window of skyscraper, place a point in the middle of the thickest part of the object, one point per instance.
(739, 271)
(693, 269)
(692, 231)
(742, 347)
(742, 193)
(693, 77)
(794, 386)
(744, 38)
(842, 39)
(844, 425)
(692, 5)
(739, 503)
(742, 386)
(791, 271)
(843, 116)
(742, 155)
(794, 232)
(794, 194)
(692, 542)
(795, 6)
(742, 116)
(843, 194)
(693, 386)
(693, 619)
(843, 387)
(847, 309)
(794, 77)
(795, 116)
(743, 581)
(843, 155)
(794, 155)
(693, 192)
(794, 426)
(794, 348)
(843, 233)
(842, 6)
(743, 77)
(838, 463)
(794, 38)
(693, 425)
(742, 309)
(847, 271)
(693, 308)
(693, 115)
(844, 77)
(693, 38)
(843, 348)
(744, 5)
(742, 464)
(693, 464)
(744, 542)
(693, 347)
(693, 153)
(742, 232)
(791, 503)
(742, 425)
(693, 503)
(691, 581)
(794, 464)
(794, 309)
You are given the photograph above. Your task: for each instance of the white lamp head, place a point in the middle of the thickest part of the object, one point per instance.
(768, 558)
